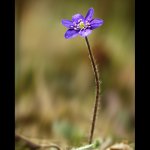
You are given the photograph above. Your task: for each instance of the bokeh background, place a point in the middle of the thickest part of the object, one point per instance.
(54, 82)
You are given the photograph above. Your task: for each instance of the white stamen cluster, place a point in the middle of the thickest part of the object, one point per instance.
(80, 25)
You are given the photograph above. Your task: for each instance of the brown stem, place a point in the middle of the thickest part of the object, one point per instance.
(97, 90)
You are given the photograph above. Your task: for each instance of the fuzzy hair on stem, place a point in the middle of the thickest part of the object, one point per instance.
(95, 70)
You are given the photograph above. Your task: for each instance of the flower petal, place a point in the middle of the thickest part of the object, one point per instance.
(89, 14)
(76, 17)
(95, 23)
(85, 32)
(71, 33)
(67, 23)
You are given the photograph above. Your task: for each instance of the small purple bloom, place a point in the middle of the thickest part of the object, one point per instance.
(80, 25)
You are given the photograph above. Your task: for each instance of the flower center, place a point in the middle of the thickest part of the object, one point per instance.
(81, 25)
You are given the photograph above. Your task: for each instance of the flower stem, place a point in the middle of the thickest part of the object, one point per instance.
(97, 90)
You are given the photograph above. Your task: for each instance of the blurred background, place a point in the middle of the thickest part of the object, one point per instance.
(54, 81)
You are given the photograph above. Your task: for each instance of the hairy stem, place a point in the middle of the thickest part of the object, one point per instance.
(97, 90)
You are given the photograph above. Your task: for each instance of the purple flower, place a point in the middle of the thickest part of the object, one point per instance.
(80, 25)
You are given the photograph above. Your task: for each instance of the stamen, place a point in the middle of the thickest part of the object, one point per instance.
(74, 23)
(79, 20)
(87, 23)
